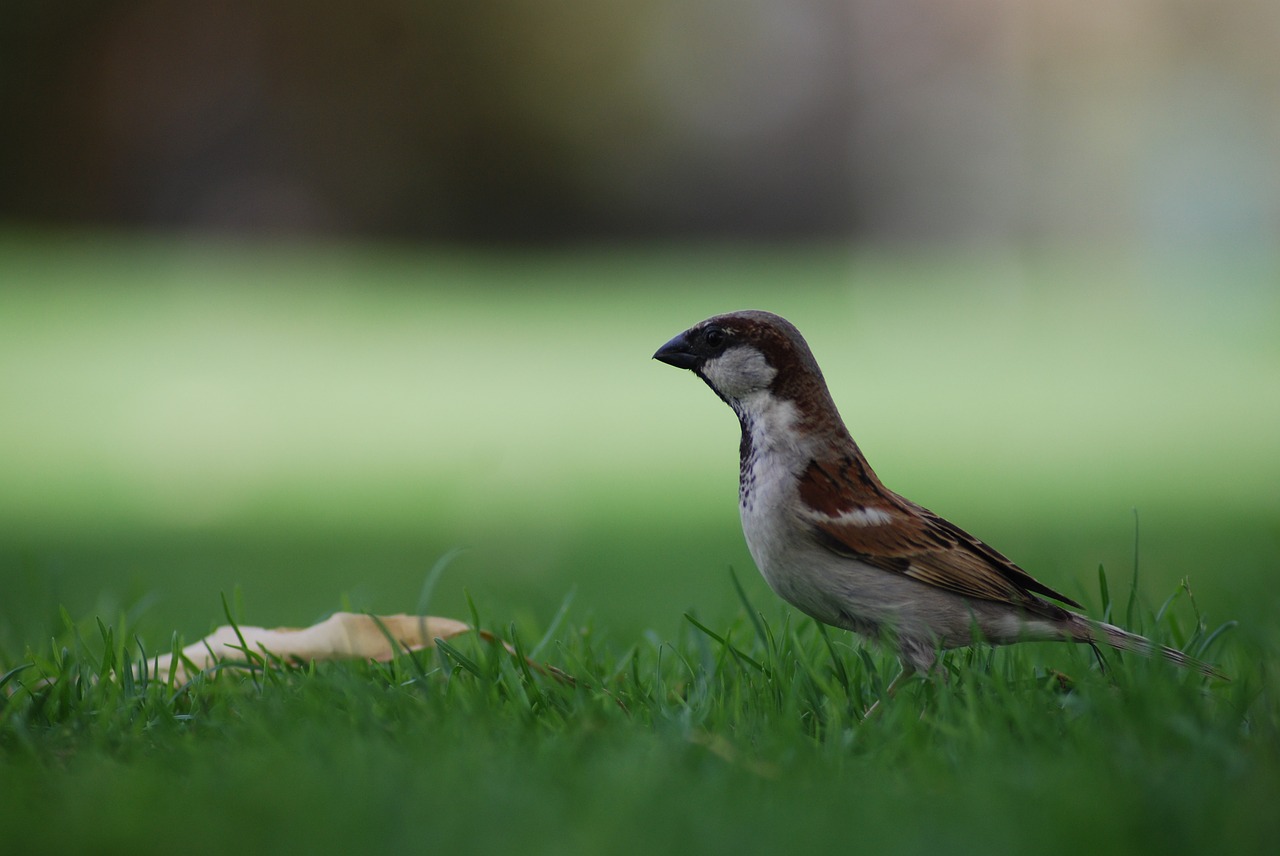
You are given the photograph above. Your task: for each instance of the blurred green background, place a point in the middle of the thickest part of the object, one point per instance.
(296, 298)
(184, 419)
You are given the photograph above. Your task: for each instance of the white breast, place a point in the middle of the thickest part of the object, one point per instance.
(768, 502)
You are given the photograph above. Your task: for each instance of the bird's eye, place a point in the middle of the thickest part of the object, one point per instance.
(714, 337)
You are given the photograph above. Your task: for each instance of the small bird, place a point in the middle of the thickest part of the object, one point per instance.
(833, 541)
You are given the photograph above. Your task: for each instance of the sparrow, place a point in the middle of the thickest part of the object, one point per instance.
(833, 541)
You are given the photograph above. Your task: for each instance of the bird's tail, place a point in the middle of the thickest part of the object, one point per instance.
(1088, 631)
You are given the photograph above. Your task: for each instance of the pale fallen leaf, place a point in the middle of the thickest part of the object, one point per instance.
(341, 636)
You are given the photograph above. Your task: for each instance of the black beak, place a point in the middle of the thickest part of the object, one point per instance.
(679, 353)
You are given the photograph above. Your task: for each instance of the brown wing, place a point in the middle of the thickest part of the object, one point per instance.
(858, 517)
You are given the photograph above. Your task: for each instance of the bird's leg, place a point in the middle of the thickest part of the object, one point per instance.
(907, 671)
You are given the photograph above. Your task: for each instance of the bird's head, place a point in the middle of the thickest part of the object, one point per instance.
(747, 357)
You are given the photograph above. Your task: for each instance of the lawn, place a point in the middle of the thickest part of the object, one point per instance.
(302, 429)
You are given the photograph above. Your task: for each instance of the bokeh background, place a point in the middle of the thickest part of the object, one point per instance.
(991, 121)
(298, 297)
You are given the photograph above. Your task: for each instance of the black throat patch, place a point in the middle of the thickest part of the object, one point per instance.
(746, 463)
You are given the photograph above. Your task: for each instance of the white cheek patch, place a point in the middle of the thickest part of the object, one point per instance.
(739, 372)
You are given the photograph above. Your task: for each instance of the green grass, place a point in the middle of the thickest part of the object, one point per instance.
(743, 737)
(306, 429)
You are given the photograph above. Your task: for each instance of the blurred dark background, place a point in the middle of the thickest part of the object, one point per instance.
(991, 121)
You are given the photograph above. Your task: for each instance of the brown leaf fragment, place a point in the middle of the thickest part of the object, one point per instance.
(341, 636)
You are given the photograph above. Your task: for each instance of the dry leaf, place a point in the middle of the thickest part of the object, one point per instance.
(341, 636)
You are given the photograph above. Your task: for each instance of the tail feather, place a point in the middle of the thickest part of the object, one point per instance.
(1099, 631)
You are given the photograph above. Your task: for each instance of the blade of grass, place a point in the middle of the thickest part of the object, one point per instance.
(460, 658)
(1105, 592)
(14, 672)
(400, 650)
(745, 658)
(1133, 584)
(555, 622)
(532, 690)
(837, 664)
(1204, 646)
(433, 577)
(756, 621)
(244, 646)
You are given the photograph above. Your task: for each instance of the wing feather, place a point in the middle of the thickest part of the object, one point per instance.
(854, 515)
